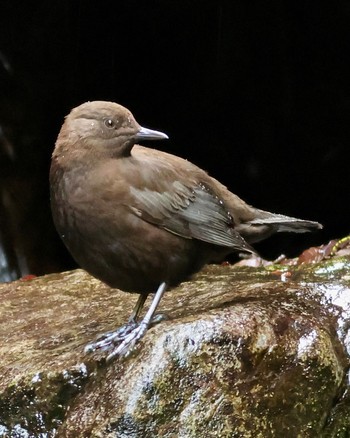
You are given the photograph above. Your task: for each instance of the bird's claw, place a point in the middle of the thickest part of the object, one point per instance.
(110, 339)
(127, 345)
(123, 340)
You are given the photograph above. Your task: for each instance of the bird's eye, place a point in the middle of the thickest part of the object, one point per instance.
(109, 123)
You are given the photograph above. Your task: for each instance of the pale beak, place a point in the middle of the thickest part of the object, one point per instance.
(150, 134)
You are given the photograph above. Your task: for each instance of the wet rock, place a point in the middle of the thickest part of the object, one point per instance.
(247, 352)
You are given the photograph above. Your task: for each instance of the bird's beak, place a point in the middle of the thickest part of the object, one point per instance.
(149, 134)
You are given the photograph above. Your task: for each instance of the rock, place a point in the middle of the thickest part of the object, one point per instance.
(247, 352)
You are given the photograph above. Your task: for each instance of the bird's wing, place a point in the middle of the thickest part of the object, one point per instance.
(193, 213)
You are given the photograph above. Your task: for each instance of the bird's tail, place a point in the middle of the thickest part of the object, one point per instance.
(283, 223)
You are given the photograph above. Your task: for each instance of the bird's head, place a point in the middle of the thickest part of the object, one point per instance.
(103, 128)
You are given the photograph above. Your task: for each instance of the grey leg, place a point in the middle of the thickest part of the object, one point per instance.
(109, 339)
(138, 307)
(138, 332)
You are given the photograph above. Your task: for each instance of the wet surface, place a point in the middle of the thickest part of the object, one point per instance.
(245, 349)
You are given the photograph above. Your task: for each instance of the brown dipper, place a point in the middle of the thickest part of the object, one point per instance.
(140, 219)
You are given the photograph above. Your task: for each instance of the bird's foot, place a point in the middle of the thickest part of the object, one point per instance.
(128, 343)
(110, 339)
(118, 337)
(125, 348)
(128, 335)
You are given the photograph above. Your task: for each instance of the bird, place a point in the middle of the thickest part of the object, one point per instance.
(140, 219)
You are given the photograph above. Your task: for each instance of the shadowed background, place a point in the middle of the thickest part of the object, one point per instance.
(256, 93)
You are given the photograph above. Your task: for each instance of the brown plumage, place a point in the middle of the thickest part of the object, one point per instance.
(136, 217)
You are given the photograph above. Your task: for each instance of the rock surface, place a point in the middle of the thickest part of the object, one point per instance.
(247, 352)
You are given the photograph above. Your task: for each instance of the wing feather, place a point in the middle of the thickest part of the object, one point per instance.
(191, 212)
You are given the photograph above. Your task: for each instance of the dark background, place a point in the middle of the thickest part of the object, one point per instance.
(256, 93)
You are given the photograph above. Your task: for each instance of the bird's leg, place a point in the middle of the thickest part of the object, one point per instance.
(138, 332)
(137, 309)
(109, 339)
